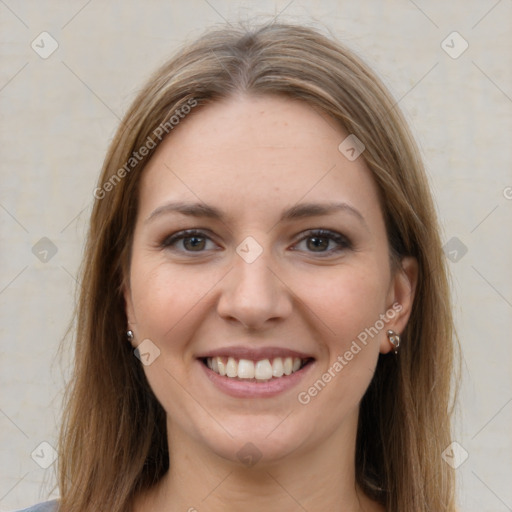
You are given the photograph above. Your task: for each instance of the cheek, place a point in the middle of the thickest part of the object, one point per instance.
(347, 299)
(349, 305)
(166, 300)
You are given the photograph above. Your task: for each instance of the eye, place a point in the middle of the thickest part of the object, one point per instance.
(191, 240)
(321, 241)
(325, 242)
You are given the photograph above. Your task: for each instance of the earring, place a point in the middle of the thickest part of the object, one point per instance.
(129, 336)
(394, 339)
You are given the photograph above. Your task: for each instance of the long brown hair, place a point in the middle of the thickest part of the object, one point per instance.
(405, 414)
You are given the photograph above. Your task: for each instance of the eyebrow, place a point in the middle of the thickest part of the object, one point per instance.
(298, 211)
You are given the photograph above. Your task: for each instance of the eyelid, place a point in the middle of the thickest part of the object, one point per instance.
(169, 240)
(343, 241)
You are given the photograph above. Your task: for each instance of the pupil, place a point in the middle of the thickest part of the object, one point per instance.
(195, 242)
(319, 243)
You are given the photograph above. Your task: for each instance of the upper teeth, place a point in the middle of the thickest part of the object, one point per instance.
(260, 370)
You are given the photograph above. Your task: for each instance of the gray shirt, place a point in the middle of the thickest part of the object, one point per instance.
(47, 506)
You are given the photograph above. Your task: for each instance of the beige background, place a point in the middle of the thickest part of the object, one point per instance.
(58, 115)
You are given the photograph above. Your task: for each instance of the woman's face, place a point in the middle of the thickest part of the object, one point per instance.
(286, 269)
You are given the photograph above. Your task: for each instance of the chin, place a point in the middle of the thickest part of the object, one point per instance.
(257, 440)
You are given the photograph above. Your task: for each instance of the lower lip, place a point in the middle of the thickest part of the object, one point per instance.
(252, 389)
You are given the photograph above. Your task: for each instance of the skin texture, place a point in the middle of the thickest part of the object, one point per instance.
(253, 157)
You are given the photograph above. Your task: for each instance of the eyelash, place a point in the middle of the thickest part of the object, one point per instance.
(342, 241)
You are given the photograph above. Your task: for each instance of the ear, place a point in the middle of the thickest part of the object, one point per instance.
(400, 298)
(129, 309)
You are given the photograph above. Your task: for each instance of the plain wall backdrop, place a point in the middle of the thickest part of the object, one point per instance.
(62, 94)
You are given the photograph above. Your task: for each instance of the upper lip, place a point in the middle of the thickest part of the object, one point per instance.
(254, 354)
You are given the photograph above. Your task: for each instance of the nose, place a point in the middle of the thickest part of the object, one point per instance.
(253, 295)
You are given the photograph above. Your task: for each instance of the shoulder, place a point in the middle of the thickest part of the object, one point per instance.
(47, 506)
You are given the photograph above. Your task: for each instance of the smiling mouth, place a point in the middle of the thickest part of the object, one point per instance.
(262, 370)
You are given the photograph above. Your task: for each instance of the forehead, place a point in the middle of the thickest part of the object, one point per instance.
(250, 154)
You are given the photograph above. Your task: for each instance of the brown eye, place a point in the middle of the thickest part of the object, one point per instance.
(187, 241)
(316, 243)
(194, 243)
(325, 242)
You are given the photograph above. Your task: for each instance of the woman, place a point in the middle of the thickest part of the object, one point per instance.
(264, 319)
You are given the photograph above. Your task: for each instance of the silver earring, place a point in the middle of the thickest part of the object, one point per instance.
(129, 336)
(394, 339)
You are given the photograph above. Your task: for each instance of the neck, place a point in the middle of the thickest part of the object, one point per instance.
(320, 479)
